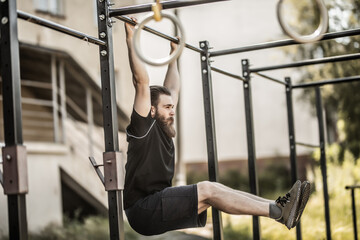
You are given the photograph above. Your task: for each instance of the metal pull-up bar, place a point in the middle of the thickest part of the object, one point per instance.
(346, 57)
(282, 43)
(227, 74)
(60, 28)
(159, 34)
(321, 83)
(270, 78)
(165, 5)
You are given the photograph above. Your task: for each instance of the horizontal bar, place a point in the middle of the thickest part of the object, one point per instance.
(282, 43)
(352, 187)
(321, 83)
(160, 34)
(270, 78)
(60, 28)
(307, 145)
(309, 62)
(165, 5)
(227, 74)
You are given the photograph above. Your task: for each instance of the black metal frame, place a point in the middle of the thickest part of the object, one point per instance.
(250, 135)
(210, 132)
(165, 5)
(11, 91)
(57, 27)
(319, 113)
(292, 143)
(282, 43)
(353, 206)
(288, 91)
(116, 221)
(10, 72)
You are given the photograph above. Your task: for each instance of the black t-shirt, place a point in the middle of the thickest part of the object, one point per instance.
(150, 159)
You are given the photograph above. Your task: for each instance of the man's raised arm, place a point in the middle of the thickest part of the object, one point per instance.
(172, 78)
(142, 102)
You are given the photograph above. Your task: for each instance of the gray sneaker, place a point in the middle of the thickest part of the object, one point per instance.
(289, 205)
(304, 197)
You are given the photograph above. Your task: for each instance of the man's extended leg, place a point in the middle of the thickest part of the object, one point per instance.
(228, 200)
(249, 195)
(237, 202)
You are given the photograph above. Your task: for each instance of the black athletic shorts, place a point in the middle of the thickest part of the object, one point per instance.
(172, 208)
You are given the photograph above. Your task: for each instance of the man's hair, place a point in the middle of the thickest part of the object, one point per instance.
(155, 92)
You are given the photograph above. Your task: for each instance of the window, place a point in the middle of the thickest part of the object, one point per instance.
(53, 7)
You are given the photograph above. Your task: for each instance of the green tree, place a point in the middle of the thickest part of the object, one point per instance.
(341, 101)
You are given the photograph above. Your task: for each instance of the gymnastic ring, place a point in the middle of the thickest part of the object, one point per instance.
(162, 61)
(316, 35)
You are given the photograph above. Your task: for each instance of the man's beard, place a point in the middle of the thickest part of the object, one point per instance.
(166, 124)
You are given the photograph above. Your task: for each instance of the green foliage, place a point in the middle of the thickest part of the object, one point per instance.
(341, 101)
(234, 179)
(273, 180)
(237, 232)
(93, 228)
(193, 177)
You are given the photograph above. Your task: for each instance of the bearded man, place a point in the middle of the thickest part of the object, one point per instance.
(152, 205)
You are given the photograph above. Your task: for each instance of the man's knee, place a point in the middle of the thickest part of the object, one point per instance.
(206, 190)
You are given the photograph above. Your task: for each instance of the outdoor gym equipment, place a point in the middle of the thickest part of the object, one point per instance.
(157, 15)
(316, 35)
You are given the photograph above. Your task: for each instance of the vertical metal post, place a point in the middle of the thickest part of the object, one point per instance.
(319, 111)
(90, 120)
(292, 142)
(210, 132)
(354, 212)
(116, 222)
(250, 142)
(55, 98)
(62, 100)
(10, 72)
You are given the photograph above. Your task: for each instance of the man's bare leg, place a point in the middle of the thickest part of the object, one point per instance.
(249, 195)
(229, 201)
